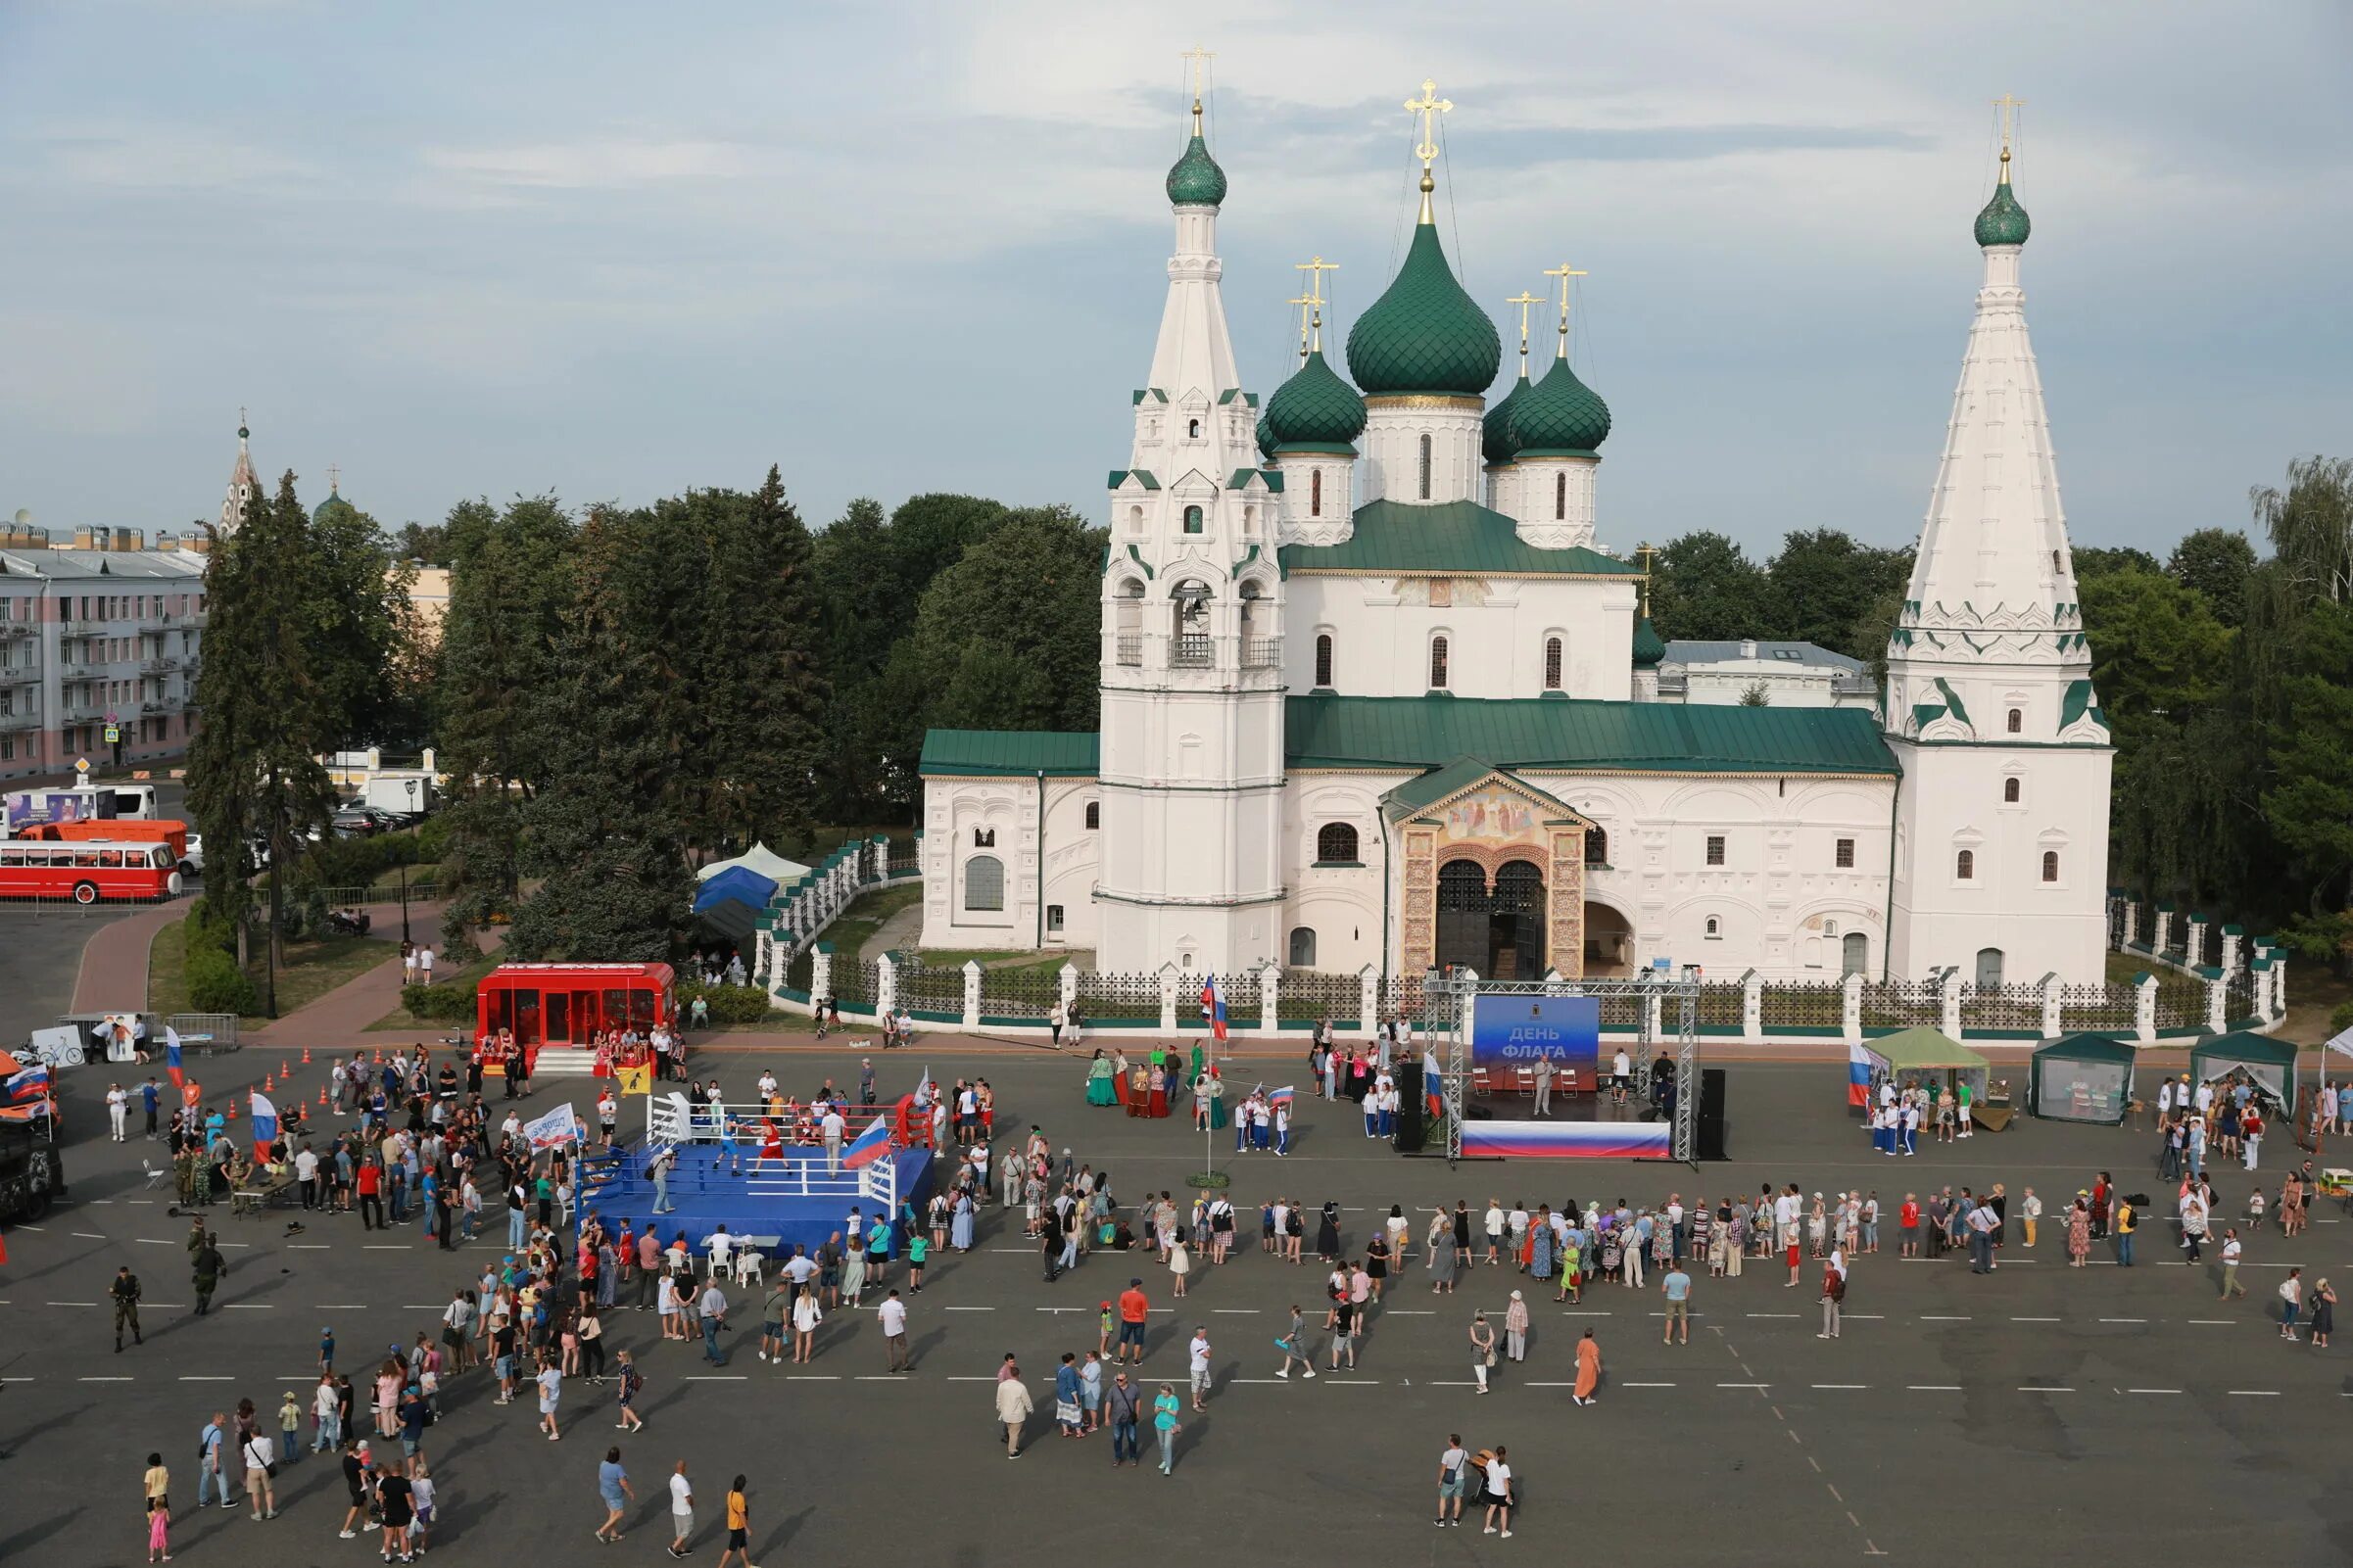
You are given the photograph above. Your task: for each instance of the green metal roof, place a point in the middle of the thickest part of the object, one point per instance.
(1326, 730)
(2077, 703)
(1952, 700)
(1315, 408)
(1457, 537)
(1462, 772)
(1425, 334)
(965, 752)
(2004, 221)
(1560, 417)
(1195, 179)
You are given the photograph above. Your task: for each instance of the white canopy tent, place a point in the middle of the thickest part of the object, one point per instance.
(761, 859)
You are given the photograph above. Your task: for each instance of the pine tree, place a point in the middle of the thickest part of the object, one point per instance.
(598, 829)
(758, 671)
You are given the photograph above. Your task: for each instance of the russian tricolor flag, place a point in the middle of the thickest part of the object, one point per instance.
(1282, 1096)
(265, 1120)
(1858, 1075)
(871, 1145)
(1213, 1003)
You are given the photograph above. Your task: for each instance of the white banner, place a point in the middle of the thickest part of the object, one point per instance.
(561, 1125)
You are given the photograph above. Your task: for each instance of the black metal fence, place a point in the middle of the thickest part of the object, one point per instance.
(2106, 1009)
(1107, 996)
(1814, 1005)
(1901, 1004)
(922, 988)
(2002, 1006)
(1320, 994)
(1026, 992)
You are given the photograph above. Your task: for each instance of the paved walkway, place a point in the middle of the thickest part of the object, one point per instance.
(113, 962)
(342, 1017)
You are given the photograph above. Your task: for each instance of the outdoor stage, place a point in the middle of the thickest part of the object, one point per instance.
(793, 1196)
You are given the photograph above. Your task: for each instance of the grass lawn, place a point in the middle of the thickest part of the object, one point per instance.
(425, 873)
(866, 914)
(311, 971)
(401, 1021)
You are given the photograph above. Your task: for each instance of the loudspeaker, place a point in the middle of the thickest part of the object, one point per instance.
(1409, 1108)
(1711, 1115)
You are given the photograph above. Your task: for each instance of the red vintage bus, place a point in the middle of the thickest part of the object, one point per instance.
(567, 1004)
(87, 871)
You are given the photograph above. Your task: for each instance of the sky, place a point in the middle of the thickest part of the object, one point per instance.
(618, 250)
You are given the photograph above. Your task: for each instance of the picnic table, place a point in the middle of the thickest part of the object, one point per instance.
(268, 1192)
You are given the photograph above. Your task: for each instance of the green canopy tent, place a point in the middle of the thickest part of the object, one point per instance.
(2271, 1064)
(1923, 1056)
(2083, 1077)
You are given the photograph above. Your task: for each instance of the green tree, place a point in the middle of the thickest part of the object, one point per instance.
(930, 533)
(425, 544)
(601, 833)
(509, 583)
(359, 652)
(1704, 586)
(254, 772)
(2216, 563)
(2309, 806)
(1825, 588)
(2098, 560)
(2311, 526)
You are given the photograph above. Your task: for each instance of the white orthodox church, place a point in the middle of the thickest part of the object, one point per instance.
(1373, 694)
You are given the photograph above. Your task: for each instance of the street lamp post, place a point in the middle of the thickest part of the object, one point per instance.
(404, 863)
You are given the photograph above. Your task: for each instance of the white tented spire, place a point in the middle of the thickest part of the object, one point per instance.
(242, 483)
(1994, 580)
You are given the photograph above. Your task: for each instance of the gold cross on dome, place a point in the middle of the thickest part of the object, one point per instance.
(1306, 304)
(1315, 269)
(1563, 272)
(1523, 299)
(1429, 106)
(334, 478)
(1200, 58)
(2007, 107)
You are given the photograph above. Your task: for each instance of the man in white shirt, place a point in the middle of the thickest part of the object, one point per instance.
(682, 1510)
(1543, 1086)
(1621, 1068)
(892, 1315)
(2232, 1253)
(2205, 1097)
(117, 1107)
(830, 1130)
(305, 1172)
(767, 1087)
(1198, 1366)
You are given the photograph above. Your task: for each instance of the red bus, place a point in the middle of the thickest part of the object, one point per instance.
(568, 1004)
(88, 871)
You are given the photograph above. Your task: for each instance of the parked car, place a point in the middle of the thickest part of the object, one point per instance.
(194, 859)
(358, 822)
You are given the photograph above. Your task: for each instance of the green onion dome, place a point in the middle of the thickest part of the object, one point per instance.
(1195, 179)
(1649, 647)
(1266, 438)
(1315, 411)
(333, 505)
(2004, 221)
(1560, 417)
(1425, 334)
(1495, 430)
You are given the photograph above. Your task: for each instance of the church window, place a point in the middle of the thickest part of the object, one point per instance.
(1192, 519)
(1053, 919)
(1303, 947)
(1315, 493)
(2017, 721)
(2051, 865)
(2009, 792)
(1437, 664)
(1964, 866)
(1551, 664)
(1094, 815)
(983, 838)
(1845, 854)
(1425, 467)
(1715, 849)
(1323, 658)
(1561, 497)
(1192, 429)
(1335, 842)
(1715, 928)
(1136, 519)
(984, 883)
(1597, 847)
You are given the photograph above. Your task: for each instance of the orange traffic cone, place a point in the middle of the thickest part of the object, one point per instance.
(322, 1094)
(305, 1055)
(230, 1115)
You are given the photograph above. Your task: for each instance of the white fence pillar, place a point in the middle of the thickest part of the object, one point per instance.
(886, 986)
(2218, 1003)
(1070, 987)
(2194, 941)
(1851, 1007)
(1168, 999)
(2145, 1008)
(2132, 922)
(1270, 998)
(1948, 1002)
(821, 973)
(2051, 1005)
(1368, 1002)
(1752, 1008)
(2164, 930)
(972, 995)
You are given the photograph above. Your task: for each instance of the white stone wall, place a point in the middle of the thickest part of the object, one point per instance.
(1496, 630)
(1009, 808)
(1392, 449)
(1305, 521)
(1953, 799)
(1553, 501)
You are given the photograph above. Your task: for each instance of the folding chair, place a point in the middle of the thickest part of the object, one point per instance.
(155, 1177)
(747, 1266)
(1480, 1085)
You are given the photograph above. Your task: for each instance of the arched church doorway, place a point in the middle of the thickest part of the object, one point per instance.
(1989, 968)
(1497, 931)
(1609, 941)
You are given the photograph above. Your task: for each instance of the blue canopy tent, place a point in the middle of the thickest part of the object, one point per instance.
(732, 902)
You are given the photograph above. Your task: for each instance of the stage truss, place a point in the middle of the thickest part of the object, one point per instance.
(1445, 1005)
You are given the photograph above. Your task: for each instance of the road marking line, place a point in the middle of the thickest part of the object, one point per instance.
(1758, 1314)
(196, 1378)
(102, 1199)
(1061, 1309)
(1585, 1313)
(1621, 1384)
(2034, 1320)
(820, 1377)
(304, 1246)
(1861, 1317)
(1442, 1383)
(1353, 1381)
(2152, 1391)
(1842, 1385)
(2042, 1388)
(89, 1235)
(712, 1377)
(972, 1308)
(348, 1306)
(2216, 1322)
(73, 1303)
(249, 1306)
(384, 1247)
(2124, 1319)
(955, 1379)
(1935, 1317)
(1409, 1311)
(102, 1380)
(2255, 1393)
(1934, 1388)
(1744, 1384)
(1641, 1385)
(1268, 1380)
(153, 1241)
(1236, 1311)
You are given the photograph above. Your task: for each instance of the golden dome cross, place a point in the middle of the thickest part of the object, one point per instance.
(1563, 272)
(1313, 299)
(1523, 299)
(1429, 106)
(2007, 107)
